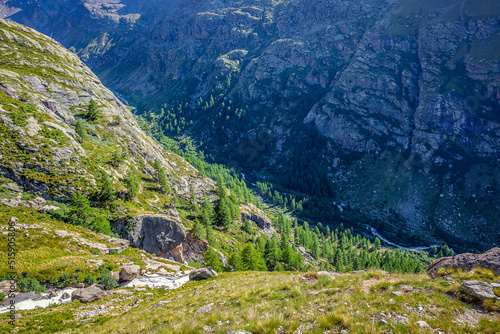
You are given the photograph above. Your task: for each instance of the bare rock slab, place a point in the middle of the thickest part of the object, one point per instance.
(477, 289)
(87, 295)
(203, 273)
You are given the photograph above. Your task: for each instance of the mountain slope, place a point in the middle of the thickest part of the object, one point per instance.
(406, 93)
(44, 90)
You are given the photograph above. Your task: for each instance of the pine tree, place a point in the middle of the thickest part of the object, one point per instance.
(80, 212)
(117, 158)
(106, 190)
(80, 130)
(210, 235)
(161, 177)
(193, 199)
(198, 230)
(315, 246)
(286, 250)
(251, 259)
(234, 261)
(223, 209)
(376, 243)
(247, 227)
(211, 258)
(132, 183)
(93, 112)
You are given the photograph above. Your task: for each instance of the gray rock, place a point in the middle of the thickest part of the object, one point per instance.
(160, 303)
(12, 187)
(477, 289)
(158, 234)
(37, 203)
(87, 295)
(204, 309)
(239, 331)
(32, 128)
(202, 273)
(423, 324)
(47, 208)
(259, 217)
(129, 272)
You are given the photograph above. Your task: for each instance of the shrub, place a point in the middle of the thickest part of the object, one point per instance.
(108, 281)
(27, 284)
(94, 251)
(2, 297)
(90, 279)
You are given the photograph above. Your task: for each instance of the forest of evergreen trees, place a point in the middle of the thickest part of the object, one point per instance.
(305, 191)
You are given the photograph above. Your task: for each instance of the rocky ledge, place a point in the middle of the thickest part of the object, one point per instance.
(467, 261)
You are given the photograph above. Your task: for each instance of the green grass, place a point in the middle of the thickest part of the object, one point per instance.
(262, 302)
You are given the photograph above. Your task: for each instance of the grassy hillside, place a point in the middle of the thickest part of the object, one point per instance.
(367, 302)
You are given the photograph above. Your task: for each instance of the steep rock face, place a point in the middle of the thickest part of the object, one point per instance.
(406, 92)
(157, 234)
(489, 260)
(252, 213)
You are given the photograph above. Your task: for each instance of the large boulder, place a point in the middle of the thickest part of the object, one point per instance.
(129, 272)
(477, 289)
(158, 234)
(202, 273)
(194, 248)
(467, 261)
(87, 295)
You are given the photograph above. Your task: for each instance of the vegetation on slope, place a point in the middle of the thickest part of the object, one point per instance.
(368, 302)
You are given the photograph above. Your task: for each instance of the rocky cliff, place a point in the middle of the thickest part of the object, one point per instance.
(405, 91)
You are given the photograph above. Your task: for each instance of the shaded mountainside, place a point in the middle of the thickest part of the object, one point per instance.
(406, 93)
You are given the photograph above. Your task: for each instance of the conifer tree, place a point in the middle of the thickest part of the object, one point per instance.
(211, 258)
(80, 130)
(376, 243)
(247, 227)
(80, 211)
(223, 208)
(132, 183)
(193, 199)
(210, 235)
(251, 259)
(93, 112)
(286, 250)
(161, 177)
(198, 229)
(106, 192)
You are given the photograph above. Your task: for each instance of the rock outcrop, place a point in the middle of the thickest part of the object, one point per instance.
(477, 289)
(158, 234)
(129, 272)
(467, 261)
(87, 295)
(251, 212)
(202, 273)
